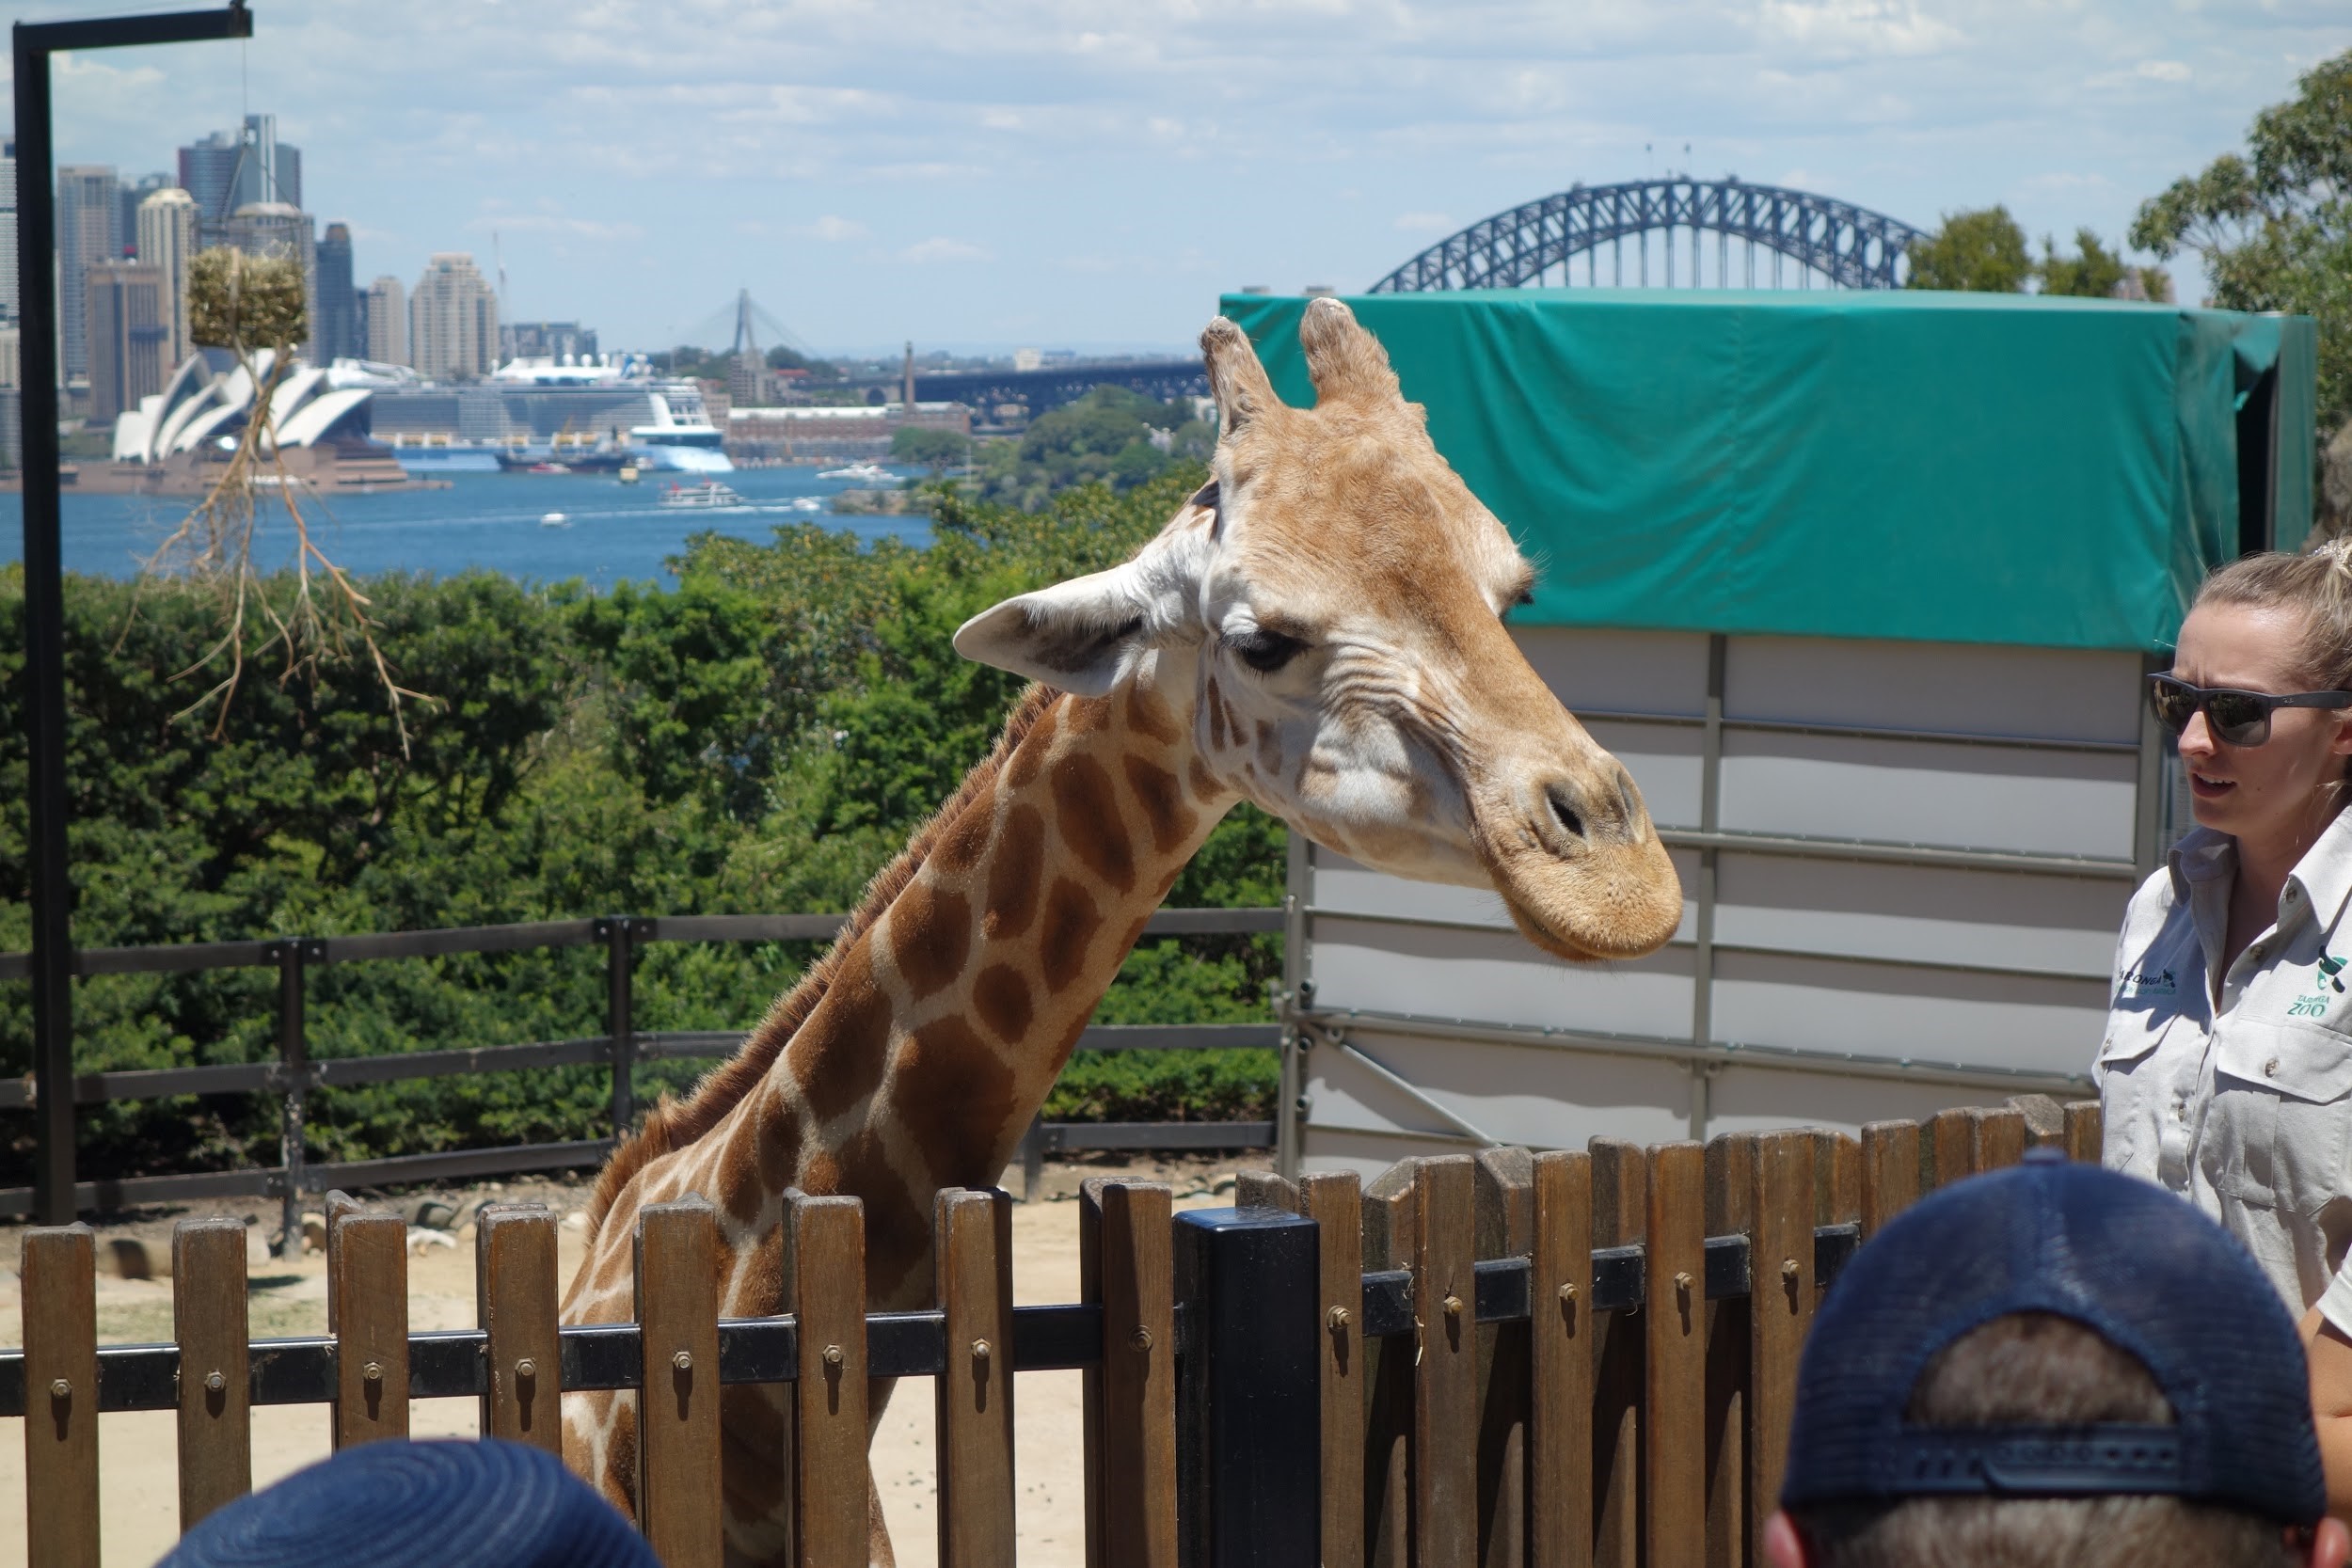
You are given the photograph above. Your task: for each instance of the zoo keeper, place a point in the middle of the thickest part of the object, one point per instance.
(2226, 1071)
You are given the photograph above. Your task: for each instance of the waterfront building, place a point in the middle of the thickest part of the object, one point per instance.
(241, 168)
(7, 232)
(199, 405)
(453, 319)
(337, 331)
(130, 329)
(89, 230)
(275, 228)
(388, 321)
(849, 435)
(166, 242)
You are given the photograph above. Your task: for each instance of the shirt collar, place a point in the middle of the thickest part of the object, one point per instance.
(2322, 875)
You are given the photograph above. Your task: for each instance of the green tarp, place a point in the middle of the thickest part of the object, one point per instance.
(1916, 465)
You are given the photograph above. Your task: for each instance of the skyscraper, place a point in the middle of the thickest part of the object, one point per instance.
(9, 305)
(388, 321)
(131, 194)
(128, 330)
(337, 332)
(89, 229)
(167, 230)
(240, 168)
(453, 320)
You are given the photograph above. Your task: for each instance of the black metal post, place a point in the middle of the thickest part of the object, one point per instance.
(620, 1022)
(293, 1065)
(1248, 1391)
(44, 575)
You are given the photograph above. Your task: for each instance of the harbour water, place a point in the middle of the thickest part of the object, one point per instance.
(611, 531)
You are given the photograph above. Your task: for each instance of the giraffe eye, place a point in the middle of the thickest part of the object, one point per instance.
(1265, 651)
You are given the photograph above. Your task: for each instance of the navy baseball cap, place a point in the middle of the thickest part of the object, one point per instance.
(2124, 1258)
(396, 1504)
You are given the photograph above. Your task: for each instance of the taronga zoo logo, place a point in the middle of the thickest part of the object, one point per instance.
(2147, 982)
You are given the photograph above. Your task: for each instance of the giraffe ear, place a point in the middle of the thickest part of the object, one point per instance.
(1085, 636)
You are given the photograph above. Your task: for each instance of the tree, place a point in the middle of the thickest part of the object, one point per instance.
(935, 449)
(2094, 272)
(1981, 250)
(2275, 227)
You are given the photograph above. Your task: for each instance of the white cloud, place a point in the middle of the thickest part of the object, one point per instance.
(2163, 70)
(1425, 223)
(833, 230)
(938, 248)
(556, 223)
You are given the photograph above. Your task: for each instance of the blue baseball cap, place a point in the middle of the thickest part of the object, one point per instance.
(392, 1504)
(2122, 1258)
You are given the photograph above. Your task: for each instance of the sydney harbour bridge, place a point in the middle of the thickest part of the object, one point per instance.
(1638, 234)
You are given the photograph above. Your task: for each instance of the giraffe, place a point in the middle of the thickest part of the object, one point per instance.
(1318, 631)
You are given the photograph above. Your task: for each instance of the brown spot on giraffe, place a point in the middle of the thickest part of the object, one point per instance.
(776, 1129)
(1070, 922)
(1216, 716)
(1269, 749)
(1203, 781)
(898, 1229)
(620, 1455)
(1089, 715)
(1086, 816)
(1013, 875)
(1165, 814)
(760, 1292)
(836, 1058)
(1001, 997)
(966, 839)
(931, 934)
(1029, 757)
(953, 1097)
(753, 1432)
(739, 1185)
(1148, 715)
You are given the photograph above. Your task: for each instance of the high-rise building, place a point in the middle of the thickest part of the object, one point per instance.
(130, 194)
(128, 330)
(337, 331)
(9, 303)
(89, 230)
(275, 228)
(166, 232)
(388, 321)
(547, 341)
(453, 319)
(241, 168)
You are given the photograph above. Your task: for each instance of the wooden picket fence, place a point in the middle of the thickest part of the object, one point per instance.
(1553, 1360)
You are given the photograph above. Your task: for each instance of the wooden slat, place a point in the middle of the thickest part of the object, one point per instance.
(1263, 1189)
(1445, 1383)
(1132, 1514)
(1390, 1233)
(1560, 1423)
(1674, 1421)
(677, 1263)
(60, 1305)
(2085, 1130)
(1731, 1183)
(1504, 1201)
(1999, 1134)
(974, 1233)
(1890, 1172)
(2046, 1118)
(208, 1322)
(367, 1298)
(829, 1295)
(1836, 1178)
(1620, 1216)
(1952, 1149)
(1780, 1257)
(514, 1298)
(1332, 1200)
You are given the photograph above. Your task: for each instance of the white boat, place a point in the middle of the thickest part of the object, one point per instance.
(807, 504)
(555, 519)
(709, 493)
(865, 473)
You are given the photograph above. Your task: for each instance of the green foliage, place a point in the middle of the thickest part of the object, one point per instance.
(2094, 272)
(935, 449)
(2274, 227)
(783, 359)
(1981, 250)
(1111, 435)
(762, 738)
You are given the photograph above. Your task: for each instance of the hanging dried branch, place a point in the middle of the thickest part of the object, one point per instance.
(253, 306)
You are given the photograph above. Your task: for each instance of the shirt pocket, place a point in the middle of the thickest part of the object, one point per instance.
(2276, 1130)
(2131, 1092)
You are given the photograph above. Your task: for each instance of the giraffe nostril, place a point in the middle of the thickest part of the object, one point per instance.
(1565, 813)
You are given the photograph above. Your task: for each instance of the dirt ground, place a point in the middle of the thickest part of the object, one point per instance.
(138, 1452)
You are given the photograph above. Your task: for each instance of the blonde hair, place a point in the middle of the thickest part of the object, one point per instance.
(2317, 585)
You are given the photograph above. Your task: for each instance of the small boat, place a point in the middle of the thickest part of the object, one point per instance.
(548, 468)
(709, 493)
(629, 473)
(807, 504)
(865, 473)
(555, 519)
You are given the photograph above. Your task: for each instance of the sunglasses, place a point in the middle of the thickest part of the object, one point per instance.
(2236, 718)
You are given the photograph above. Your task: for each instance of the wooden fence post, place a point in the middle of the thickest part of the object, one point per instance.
(208, 1319)
(1780, 1262)
(1445, 1385)
(1620, 1217)
(1392, 1231)
(367, 1307)
(1890, 1172)
(1730, 1195)
(677, 1261)
(1674, 1466)
(514, 1298)
(1126, 1262)
(1505, 1182)
(60, 1305)
(974, 1233)
(1997, 1136)
(1950, 1150)
(829, 1297)
(2085, 1130)
(1560, 1425)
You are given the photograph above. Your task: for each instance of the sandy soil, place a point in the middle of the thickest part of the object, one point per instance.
(137, 1453)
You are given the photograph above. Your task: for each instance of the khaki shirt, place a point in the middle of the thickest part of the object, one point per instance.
(2238, 1095)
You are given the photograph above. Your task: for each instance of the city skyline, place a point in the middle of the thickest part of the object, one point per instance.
(1079, 175)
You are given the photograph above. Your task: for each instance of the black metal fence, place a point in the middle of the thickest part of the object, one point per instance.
(294, 1074)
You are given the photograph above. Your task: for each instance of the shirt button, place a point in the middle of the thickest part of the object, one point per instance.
(2270, 1067)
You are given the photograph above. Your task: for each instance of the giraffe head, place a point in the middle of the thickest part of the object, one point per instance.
(1331, 607)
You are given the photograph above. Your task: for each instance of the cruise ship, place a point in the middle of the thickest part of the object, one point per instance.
(530, 407)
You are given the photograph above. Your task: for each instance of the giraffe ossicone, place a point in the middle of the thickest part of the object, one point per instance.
(1318, 631)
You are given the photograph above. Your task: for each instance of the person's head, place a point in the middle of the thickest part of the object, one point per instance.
(2053, 1367)
(2273, 624)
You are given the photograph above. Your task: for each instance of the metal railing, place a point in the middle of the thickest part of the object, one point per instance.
(293, 1073)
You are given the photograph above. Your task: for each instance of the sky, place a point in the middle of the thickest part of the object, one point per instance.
(1091, 174)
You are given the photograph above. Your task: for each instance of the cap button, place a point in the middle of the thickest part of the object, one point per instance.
(2270, 1067)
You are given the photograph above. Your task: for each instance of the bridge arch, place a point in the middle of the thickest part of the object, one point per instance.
(1846, 245)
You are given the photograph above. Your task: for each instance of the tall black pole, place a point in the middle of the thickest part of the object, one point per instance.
(37, 302)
